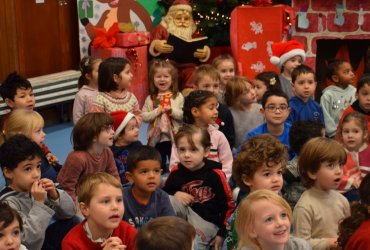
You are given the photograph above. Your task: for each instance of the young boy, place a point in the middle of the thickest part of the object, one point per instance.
(302, 106)
(287, 56)
(126, 138)
(144, 200)
(198, 187)
(276, 110)
(37, 200)
(207, 78)
(168, 232)
(320, 208)
(100, 201)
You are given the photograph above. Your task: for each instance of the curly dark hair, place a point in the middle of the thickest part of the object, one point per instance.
(194, 100)
(359, 213)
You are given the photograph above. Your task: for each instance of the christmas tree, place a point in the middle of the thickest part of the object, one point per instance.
(213, 17)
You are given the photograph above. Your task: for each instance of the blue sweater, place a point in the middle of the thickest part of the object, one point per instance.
(301, 111)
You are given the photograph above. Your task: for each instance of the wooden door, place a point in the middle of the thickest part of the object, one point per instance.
(46, 36)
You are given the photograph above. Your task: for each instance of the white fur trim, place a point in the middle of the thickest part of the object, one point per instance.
(275, 60)
(180, 7)
(294, 52)
(123, 124)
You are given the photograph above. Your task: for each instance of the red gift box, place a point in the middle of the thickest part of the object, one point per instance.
(132, 39)
(138, 57)
(253, 30)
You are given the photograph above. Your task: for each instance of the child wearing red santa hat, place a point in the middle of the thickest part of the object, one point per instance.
(287, 56)
(126, 138)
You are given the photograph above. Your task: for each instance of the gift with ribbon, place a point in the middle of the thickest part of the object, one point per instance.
(104, 38)
(132, 39)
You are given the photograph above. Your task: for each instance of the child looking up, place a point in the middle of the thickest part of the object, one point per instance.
(114, 79)
(299, 134)
(144, 200)
(126, 139)
(40, 204)
(200, 108)
(87, 87)
(92, 136)
(226, 66)
(31, 124)
(168, 232)
(302, 106)
(320, 208)
(263, 222)
(163, 108)
(354, 230)
(287, 56)
(276, 110)
(198, 187)
(206, 77)
(260, 165)
(361, 105)
(354, 137)
(100, 201)
(240, 96)
(11, 228)
(336, 98)
(266, 81)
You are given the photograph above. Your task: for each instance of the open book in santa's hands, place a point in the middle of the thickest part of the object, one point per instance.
(183, 50)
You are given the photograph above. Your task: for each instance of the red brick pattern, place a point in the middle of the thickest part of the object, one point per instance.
(313, 26)
(326, 5)
(355, 5)
(366, 25)
(350, 23)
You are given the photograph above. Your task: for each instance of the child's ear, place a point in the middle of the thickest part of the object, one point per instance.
(356, 95)
(206, 152)
(311, 175)
(246, 180)
(9, 102)
(129, 177)
(335, 78)
(195, 111)
(252, 234)
(8, 174)
(84, 209)
(88, 76)
(116, 78)
(262, 111)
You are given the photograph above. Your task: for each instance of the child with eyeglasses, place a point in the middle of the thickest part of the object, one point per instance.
(276, 110)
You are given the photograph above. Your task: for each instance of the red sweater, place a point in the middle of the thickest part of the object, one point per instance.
(77, 239)
(360, 240)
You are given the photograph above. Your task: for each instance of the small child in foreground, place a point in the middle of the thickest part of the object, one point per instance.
(101, 203)
(263, 222)
(11, 227)
(320, 208)
(168, 232)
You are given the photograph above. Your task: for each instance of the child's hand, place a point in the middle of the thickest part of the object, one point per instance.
(113, 243)
(49, 187)
(168, 109)
(357, 181)
(38, 192)
(217, 242)
(52, 159)
(333, 243)
(160, 109)
(184, 198)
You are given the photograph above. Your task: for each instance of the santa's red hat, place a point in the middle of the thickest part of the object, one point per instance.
(181, 5)
(120, 120)
(282, 52)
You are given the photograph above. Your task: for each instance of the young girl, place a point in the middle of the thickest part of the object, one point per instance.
(241, 99)
(113, 81)
(30, 124)
(100, 201)
(200, 108)
(87, 85)
(361, 105)
(92, 137)
(163, 108)
(354, 230)
(11, 227)
(259, 165)
(263, 222)
(354, 137)
(266, 81)
(336, 98)
(226, 66)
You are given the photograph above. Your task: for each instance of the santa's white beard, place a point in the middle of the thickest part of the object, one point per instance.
(183, 32)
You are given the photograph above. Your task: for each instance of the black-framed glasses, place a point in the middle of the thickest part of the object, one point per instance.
(274, 108)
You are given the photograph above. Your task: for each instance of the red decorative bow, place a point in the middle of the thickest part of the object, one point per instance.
(262, 3)
(133, 57)
(105, 39)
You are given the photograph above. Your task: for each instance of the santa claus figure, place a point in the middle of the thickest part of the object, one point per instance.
(179, 22)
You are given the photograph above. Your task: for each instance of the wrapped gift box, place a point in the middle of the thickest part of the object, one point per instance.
(132, 39)
(253, 30)
(138, 57)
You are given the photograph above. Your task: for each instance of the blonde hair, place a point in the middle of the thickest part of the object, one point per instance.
(234, 88)
(21, 121)
(224, 57)
(245, 215)
(87, 185)
(205, 70)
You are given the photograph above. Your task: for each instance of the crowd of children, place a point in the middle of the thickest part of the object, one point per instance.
(232, 164)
